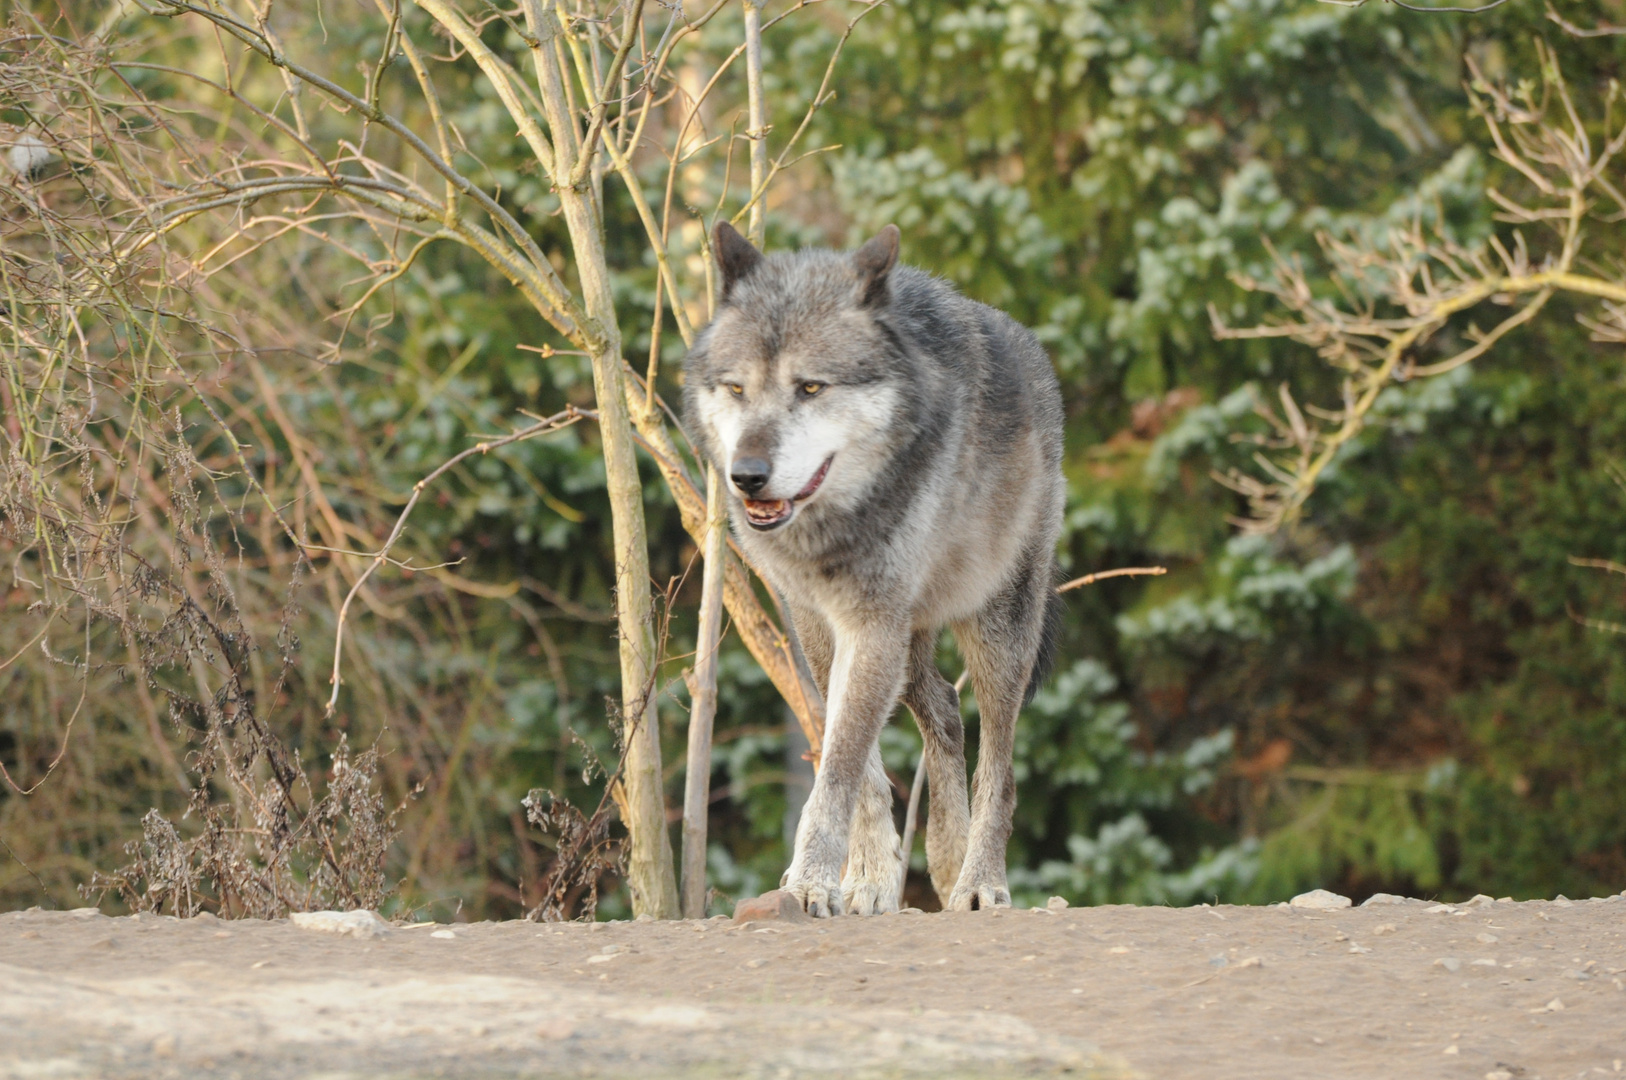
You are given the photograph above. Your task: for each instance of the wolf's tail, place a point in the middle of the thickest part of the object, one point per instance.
(1049, 635)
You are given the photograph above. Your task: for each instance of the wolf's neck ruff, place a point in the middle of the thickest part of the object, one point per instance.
(893, 452)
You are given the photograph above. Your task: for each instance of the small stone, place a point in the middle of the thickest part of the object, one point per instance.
(601, 958)
(1354, 948)
(1480, 900)
(1380, 898)
(754, 964)
(559, 1028)
(1449, 963)
(910, 911)
(1486, 939)
(777, 904)
(1562, 901)
(1441, 909)
(360, 923)
(645, 917)
(1498, 1074)
(1057, 903)
(1218, 960)
(1487, 961)
(444, 935)
(1452, 1049)
(1384, 928)
(1320, 900)
(1578, 975)
(164, 1046)
(222, 933)
(1552, 1006)
(611, 950)
(85, 912)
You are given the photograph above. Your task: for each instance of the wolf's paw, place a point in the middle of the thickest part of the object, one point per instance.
(820, 899)
(868, 896)
(979, 896)
(873, 884)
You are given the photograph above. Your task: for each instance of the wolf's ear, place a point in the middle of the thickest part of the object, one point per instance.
(873, 262)
(735, 255)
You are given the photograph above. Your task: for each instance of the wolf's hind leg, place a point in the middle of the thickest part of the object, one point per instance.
(874, 878)
(1000, 644)
(937, 710)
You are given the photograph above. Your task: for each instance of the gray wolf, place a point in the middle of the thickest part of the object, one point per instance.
(892, 452)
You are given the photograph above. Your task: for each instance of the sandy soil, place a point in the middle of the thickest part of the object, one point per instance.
(1534, 991)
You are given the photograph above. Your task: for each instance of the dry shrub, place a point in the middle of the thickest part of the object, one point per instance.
(125, 554)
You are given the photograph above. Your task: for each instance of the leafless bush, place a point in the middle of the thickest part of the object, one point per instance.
(113, 527)
(1385, 299)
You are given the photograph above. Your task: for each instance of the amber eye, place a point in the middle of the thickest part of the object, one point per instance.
(811, 388)
(735, 388)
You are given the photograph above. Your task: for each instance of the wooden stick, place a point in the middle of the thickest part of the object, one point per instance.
(703, 703)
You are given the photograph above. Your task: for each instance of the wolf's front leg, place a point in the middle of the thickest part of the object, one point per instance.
(873, 883)
(865, 681)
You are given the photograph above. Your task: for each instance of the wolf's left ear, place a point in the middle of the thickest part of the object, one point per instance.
(873, 262)
(735, 255)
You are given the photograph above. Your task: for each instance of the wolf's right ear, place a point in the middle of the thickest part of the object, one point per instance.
(735, 256)
(873, 262)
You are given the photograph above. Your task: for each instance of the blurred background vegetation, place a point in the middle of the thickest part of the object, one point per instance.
(1411, 689)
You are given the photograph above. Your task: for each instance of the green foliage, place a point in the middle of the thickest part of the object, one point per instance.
(1396, 697)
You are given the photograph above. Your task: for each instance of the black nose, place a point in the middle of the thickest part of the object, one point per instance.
(749, 474)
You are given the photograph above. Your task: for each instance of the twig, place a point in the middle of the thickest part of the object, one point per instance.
(553, 423)
(1102, 575)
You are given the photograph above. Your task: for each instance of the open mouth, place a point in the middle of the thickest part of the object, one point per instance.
(765, 514)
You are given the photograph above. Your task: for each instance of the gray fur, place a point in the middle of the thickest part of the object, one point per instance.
(940, 422)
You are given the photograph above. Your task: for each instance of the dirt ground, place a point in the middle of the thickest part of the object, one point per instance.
(1534, 991)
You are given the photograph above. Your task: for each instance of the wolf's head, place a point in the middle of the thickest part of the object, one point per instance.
(794, 389)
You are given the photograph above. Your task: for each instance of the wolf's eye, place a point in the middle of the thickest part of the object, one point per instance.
(811, 388)
(735, 388)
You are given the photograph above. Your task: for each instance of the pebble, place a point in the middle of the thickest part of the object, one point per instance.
(1487, 939)
(1552, 1006)
(777, 904)
(1498, 1074)
(444, 935)
(1320, 900)
(1480, 900)
(1056, 903)
(1449, 963)
(1385, 928)
(1381, 898)
(360, 923)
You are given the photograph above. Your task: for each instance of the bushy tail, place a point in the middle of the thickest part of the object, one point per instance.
(1049, 635)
